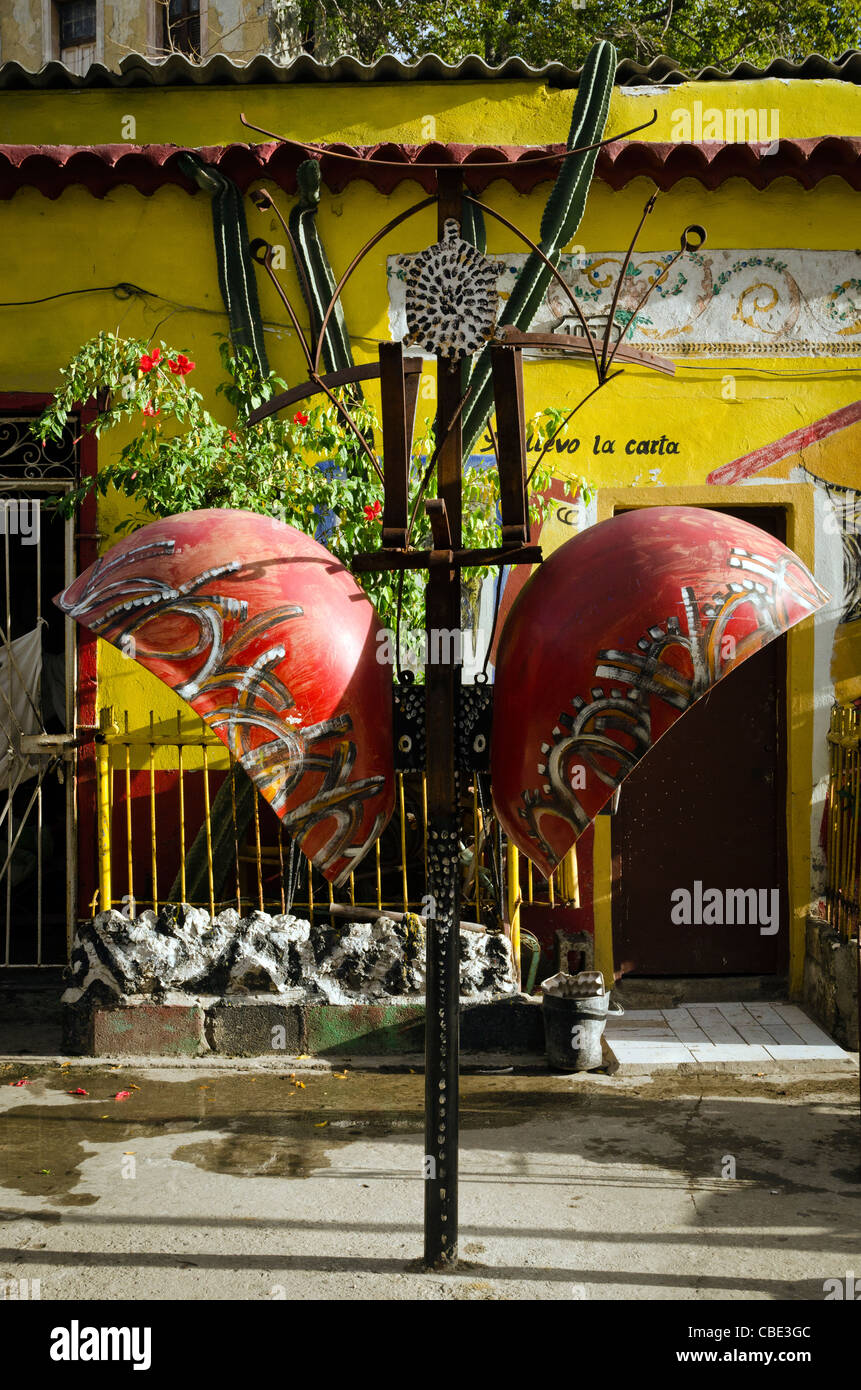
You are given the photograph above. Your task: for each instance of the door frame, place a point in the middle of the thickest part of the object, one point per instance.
(81, 820)
(796, 500)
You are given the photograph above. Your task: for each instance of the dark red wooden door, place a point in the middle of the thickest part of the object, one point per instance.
(706, 810)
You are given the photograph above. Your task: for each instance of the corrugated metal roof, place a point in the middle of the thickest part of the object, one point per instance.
(176, 71)
(51, 168)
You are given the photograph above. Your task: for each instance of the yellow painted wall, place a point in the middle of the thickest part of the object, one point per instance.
(510, 112)
(164, 243)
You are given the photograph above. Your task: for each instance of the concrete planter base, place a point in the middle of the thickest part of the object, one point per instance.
(263, 1026)
(830, 988)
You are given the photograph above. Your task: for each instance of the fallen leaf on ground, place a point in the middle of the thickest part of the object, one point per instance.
(321, 1124)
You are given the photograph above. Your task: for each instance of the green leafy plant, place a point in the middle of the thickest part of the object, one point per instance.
(306, 467)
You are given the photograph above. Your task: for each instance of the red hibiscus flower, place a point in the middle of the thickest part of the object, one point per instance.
(231, 435)
(180, 365)
(372, 512)
(149, 359)
(300, 418)
(152, 409)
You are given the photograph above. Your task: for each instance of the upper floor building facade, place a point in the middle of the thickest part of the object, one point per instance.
(79, 33)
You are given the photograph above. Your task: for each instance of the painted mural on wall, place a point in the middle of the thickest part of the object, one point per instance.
(715, 303)
(275, 649)
(827, 454)
(618, 633)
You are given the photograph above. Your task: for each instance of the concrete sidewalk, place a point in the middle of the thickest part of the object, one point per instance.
(239, 1182)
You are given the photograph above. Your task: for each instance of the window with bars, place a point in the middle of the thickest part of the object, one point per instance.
(181, 27)
(77, 23)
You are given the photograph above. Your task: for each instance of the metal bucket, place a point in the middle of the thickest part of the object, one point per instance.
(573, 1029)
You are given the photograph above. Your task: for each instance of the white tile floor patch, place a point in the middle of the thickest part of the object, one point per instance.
(700, 1033)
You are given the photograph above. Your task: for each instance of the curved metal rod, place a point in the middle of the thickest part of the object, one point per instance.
(685, 246)
(345, 376)
(313, 373)
(263, 200)
(435, 458)
(617, 291)
(545, 157)
(568, 417)
(260, 244)
(368, 246)
(550, 266)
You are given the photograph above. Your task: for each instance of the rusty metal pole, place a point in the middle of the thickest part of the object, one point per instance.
(443, 675)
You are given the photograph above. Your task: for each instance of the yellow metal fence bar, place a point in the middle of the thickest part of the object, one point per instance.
(129, 852)
(152, 817)
(281, 864)
(379, 875)
(236, 861)
(375, 885)
(476, 849)
(181, 810)
(842, 817)
(103, 785)
(259, 855)
(512, 863)
(425, 824)
(403, 815)
(207, 821)
(853, 840)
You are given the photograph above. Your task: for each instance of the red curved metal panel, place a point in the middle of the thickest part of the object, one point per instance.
(619, 632)
(276, 649)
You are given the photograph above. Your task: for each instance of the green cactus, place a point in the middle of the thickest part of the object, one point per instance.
(316, 279)
(560, 221)
(472, 227)
(235, 267)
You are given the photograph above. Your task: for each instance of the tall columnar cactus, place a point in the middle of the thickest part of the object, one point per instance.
(235, 267)
(562, 217)
(316, 279)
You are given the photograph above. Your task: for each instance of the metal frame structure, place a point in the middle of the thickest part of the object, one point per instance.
(39, 477)
(443, 563)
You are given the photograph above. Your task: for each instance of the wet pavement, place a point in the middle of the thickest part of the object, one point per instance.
(247, 1184)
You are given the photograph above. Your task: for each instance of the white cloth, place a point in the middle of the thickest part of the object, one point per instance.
(20, 678)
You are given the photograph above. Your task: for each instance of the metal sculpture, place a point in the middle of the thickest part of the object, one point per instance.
(275, 649)
(618, 633)
(452, 301)
(353, 777)
(495, 381)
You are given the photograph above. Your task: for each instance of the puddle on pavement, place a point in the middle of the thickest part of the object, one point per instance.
(266, 1126)
(269, 1126)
